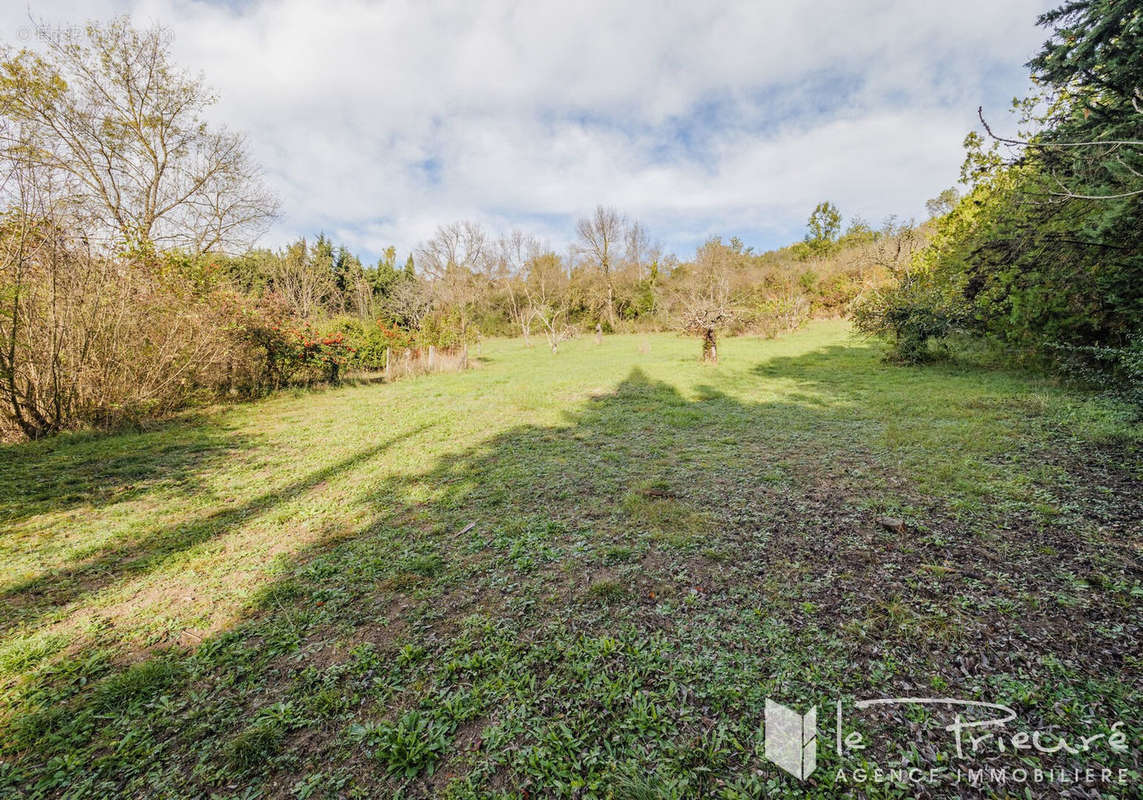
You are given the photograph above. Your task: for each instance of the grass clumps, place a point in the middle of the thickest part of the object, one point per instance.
(607, 592)
(261, 740)
(411, 745)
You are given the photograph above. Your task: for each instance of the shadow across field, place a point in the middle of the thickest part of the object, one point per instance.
(141, 553)
(93, 470)
(603, 606)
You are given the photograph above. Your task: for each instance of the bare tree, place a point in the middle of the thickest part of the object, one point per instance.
(895, 245)
(408, 302)
(303, 281)
(600, 236)
(459, 263)
(638, 248)
(84, 338)
(459, 245)
(108, 108)
(361, 297)
(545, 287)
(704, 300)
(514, 252)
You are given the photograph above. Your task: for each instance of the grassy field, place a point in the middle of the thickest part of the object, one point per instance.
(576, 576)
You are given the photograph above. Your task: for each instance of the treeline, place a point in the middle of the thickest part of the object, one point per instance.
(119, 303)
(103, 339)
(1044, 255)
(464, 283)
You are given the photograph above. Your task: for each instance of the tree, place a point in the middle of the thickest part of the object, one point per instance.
(303, 276)
(599, 236)
(457, 262)
(858, 232)
(943, 203)
(824, 225)
(109, 109)
(703, 302)
(1045, 253)
(1092, 136)
(407, 303)
(385, 275)
(515, 252)
(639, 250)
(546, 291)
(350, 288)
(83, 337)
(1052, 263)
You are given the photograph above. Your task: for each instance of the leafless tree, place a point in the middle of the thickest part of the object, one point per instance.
(408, 302)
(109, 109)
(361, 297)
(600, 237)
(546, 293)
(459, 263)
(84, 337)
(704, 299)
(638, 248)
(514, 252)
(895, 245)
(459, 245)
(303, 283)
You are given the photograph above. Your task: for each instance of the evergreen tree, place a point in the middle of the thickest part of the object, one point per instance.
(385, 275)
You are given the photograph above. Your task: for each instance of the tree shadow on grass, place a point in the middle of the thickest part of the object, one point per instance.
(645, 574)
(30, 600)
(94, 469)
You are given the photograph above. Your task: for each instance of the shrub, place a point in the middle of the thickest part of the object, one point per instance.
(912, 316)
(446, 330)
(269, 353)
(783, 313)
(379, 340)
(833, 295)
(94, 340)
(1093, 365)
(284, 352)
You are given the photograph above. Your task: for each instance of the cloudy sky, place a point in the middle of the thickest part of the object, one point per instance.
(377, 121)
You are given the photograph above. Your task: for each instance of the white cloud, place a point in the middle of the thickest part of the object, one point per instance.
(377, 121)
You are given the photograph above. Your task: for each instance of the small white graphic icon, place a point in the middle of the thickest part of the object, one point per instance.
(792, 739)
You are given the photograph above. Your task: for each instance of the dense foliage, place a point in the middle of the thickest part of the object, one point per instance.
(1045, 254)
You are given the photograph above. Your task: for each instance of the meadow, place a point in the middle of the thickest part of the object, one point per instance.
(578, 575)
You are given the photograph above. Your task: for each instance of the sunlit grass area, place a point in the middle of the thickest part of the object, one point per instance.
(560, 574)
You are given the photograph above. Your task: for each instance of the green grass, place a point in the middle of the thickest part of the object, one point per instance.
(578, 575)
